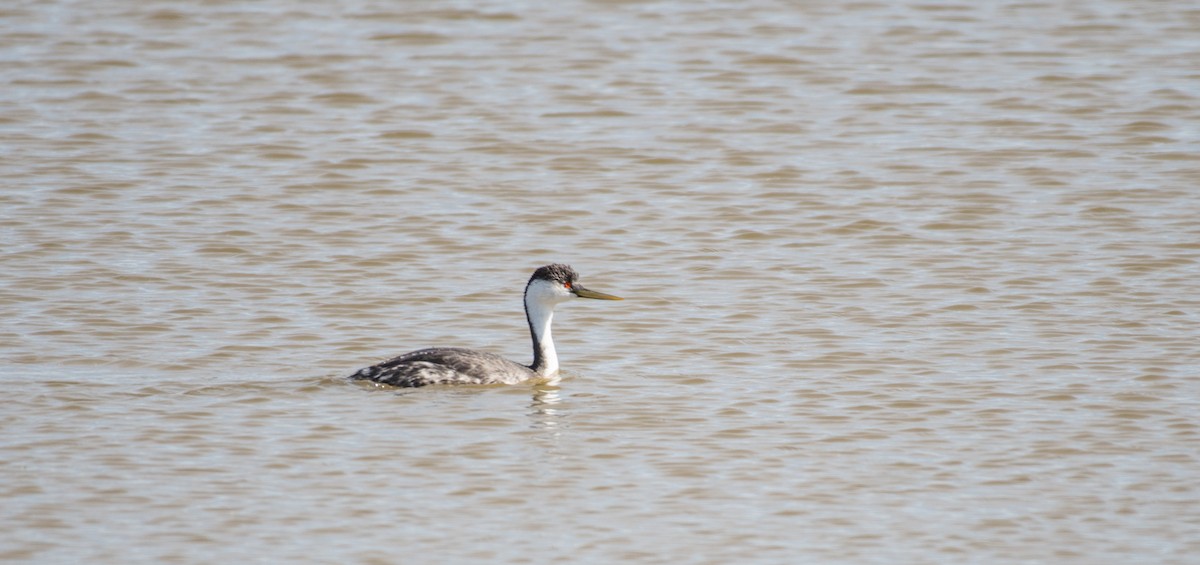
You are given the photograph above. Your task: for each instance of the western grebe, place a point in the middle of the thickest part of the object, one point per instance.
(549, 286)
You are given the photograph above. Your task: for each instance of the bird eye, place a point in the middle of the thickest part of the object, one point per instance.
(567, 284)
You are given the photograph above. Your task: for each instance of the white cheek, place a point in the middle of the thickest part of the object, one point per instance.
(552, 292)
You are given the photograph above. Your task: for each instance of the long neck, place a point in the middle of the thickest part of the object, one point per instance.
(540, 314)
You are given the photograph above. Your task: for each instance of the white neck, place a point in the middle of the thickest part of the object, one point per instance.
(539, 310)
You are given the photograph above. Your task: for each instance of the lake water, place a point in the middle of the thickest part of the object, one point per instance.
(906, 282)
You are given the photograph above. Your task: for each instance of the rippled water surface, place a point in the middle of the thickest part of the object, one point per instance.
(906, 282)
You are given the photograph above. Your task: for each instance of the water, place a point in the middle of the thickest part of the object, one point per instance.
(905, 282)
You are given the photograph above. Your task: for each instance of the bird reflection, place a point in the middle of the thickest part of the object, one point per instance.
(542, 408)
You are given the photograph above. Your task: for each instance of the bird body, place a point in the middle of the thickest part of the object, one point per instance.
(549, 286)
(446, 365)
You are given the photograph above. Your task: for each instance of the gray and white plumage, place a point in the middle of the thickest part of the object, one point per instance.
(549, 286)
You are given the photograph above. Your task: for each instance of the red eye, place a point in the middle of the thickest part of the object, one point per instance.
(567, 284)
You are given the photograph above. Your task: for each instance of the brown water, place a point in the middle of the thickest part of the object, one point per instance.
(911, 282)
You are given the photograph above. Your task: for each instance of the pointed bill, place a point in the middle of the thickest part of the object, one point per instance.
(585, 293)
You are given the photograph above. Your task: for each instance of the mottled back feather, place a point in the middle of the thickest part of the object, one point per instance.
(445, 365)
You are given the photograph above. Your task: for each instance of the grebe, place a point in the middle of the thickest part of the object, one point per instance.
(549, 286)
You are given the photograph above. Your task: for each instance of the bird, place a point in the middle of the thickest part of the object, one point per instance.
(549, 286)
